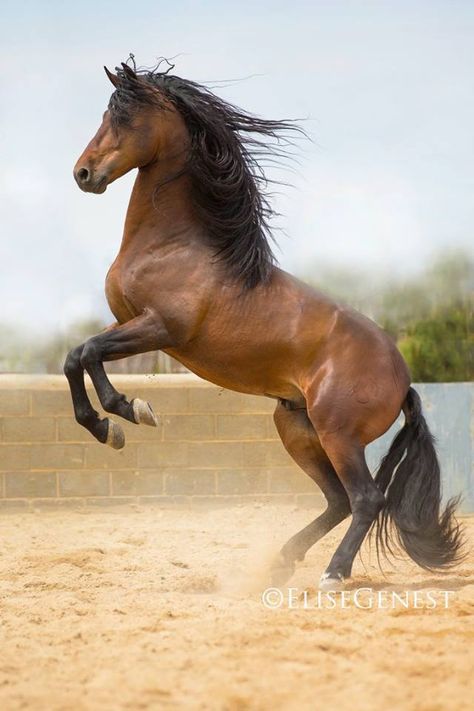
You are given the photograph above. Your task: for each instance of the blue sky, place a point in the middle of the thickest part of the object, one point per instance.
(387, 89)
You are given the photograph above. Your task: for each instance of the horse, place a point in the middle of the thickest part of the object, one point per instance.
(196, 277)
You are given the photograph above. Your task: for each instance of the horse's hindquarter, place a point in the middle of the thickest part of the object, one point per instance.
(364, 381)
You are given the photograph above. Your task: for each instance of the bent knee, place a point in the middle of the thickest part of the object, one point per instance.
(90, 354)
(72, 363)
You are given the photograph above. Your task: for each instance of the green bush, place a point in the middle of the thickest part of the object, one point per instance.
(440, 348)
(430, 315)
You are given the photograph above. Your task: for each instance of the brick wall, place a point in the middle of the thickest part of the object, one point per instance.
(212, 446)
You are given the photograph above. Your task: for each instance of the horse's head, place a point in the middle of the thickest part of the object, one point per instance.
(139, 127)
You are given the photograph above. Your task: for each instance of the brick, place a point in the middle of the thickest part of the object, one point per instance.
(277, 455)
(101, 456)
(51, 402)
(164, 400)
(137, 482)
(28, 429)
(14, 456)
(291, 480)
(162, 454)
(14, 402)
(190, 481)
(213, 399)
(266, 453)
(57, 456)
(254, 454)
(241, 427)
(232, 481)
(68, 430)
(142, 433)
(30, 484)
(88, 483)
(188, 427)
(212, 455)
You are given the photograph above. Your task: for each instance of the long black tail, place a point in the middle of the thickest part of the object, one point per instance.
(409, 475)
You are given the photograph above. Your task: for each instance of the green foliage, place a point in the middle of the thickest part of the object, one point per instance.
(429, 315)
(440, 348)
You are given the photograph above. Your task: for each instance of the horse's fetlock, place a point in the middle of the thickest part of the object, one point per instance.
(112, 401)
(86, 417)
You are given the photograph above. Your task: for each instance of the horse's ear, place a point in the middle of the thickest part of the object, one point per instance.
(128, 71)
(113, 77)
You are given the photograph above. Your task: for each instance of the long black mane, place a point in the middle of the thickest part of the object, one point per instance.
(225, 163)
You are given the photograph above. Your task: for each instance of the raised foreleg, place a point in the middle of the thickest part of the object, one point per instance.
(139, 335)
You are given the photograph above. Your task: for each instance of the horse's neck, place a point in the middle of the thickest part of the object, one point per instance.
(160, 216)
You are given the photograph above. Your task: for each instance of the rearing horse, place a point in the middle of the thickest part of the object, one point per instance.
(195, 277)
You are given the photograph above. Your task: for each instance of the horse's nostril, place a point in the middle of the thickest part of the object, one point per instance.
(83, 174)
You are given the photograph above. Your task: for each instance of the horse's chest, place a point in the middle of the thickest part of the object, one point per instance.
(130, 287)
(117, 292)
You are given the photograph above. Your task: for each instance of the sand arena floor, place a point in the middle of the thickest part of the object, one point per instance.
(159, 609)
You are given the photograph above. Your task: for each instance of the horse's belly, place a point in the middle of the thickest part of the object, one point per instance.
(247, 375)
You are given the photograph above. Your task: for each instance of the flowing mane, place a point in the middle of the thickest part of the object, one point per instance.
(228, 146)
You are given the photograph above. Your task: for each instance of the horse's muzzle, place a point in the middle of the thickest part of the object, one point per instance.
(88, 182)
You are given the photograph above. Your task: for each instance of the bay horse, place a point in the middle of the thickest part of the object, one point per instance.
(195, 277)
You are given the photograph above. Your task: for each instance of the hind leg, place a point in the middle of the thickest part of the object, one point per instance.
(366, 500)
(301, 442)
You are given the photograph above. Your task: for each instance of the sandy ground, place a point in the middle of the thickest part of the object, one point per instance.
(161, 609)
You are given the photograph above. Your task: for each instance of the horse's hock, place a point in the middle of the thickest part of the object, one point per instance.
(211, 446)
